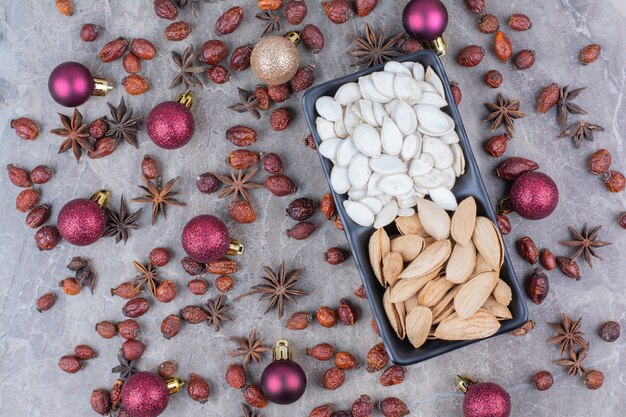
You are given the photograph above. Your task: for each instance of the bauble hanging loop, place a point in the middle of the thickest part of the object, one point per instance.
(71, 84)
(283, 381)
(205, 238)
(275, 59)
(426, 20)
(81, 221)
(171, 124)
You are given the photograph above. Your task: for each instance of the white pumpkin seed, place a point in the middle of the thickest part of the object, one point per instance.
(340, 129)
(450, 176)
(392, 139)
(422, 165)
(325, 128)
(407, 89)
(339, 179)
(407, 200)
(384, 198)
(405, 118)
(359, 213)
(367, 112)
(373, 203)
(426, 87)
(433, 121)
(418, 71)
(450, 138)
(441, 153)
(396, 184)
(406, 212)
(383, 81)
(379, 112)
(372, 185)
(432, 179)
(345, 152)
(386, 215)
(392, 106)
(433, 79)
(387, 165)
(350, 118)
(369, 90)
(396, 68)
(367, 140)
(444, 197)
(348, 93)
(432, 98)
(329, 147)
(356, 195)
(329, 109)
(359, 172)
(411, 147)
(458, 159)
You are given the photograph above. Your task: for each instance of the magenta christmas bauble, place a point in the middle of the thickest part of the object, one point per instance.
(425, 20)
(145, 394)
(486, 399)
(283, 381)
(70, 84)
(170, 125)
(534, 196)
(205, 238)
(81, 222)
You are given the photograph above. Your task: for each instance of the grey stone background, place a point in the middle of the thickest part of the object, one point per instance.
(34, 38)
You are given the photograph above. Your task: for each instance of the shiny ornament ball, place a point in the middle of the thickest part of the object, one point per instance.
(81, 222)
(534, 196)
(170, 125)
(425, 20)
(274, 60)
(486, 399)
(283, 381)
(145, 394)
(70, 84)
(205, 238)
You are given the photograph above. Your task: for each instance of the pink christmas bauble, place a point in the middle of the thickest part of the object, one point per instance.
(425, 20)
(486, 399)
(70, 84)
(145, 394)
(534, 196)
(81, 222)
(283, 381)
(170, 125)
(205, 238)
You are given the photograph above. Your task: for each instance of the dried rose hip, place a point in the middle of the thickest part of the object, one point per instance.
(198, 389)
(347, 313)
(129, 329)
(524, 59)
(235, 376)
(254, 396)
(26, 200)
(166, 9)
(170, 326)
(520, 22)
(166, 291)
(149, 167)
(278, 92)
(104, 147)
(303, 79)
(324, 410)
(393, 375)
(542, 380)
(41, 174)
(272, 163)
(70, 364)
(333, 378)
(548, 98)
(470, 56)
(313, 38)
(65, 7)
(177, 31)
(89, 32)
(338, 223)
(47, 238)
(113, 50)
(135, 85)
(537, 286)
(193, 314)
(207, 183)
(614, 181)
(106, 329)
(240, 59)
(18, 176)
(301, 209)
(393, 407)
(621, 219)
(362, 407)
(335, 256)
(528, 250)
(198, 286)
(132, 349)
(488, 23)
(590, 53)
(410, 45)
(502, 46)
(98, 128)
(609, 331)
(321, 351)
(159, 256)
(338, 11)
(242, 212)
(270, 4)
(213, 52)
(475, 6)
(301, 230)
(241, 159)
(262, 95)
(496, 146)
(547, 259)
(224, 283)
(218, 74)
(166, 369)
(310, 142)
(45, 302)
(222, 266)
(524, 328)
(229, 21)
(70, 286)
(280, 185)
(326, 316)
(568, 267)
(299, 321)
(131, 63)
(360, 292)
(136, 307)
(377, 358)
(241, 135)
(514, 167)
(493, 78)
(364, 7)
(143, 49)
(295, 11)
(345, 361)
(25, 128)
(456, 92)
(101, 401)
(600, 161)
(594, 379)
(126, 290)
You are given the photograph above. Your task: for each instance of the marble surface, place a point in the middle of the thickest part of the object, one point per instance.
(34, 37)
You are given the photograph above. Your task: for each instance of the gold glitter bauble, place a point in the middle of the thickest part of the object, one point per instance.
(274, 60)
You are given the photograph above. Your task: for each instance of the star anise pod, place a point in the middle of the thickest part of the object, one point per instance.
(251, 349)
(120, 224)
(238, 184)
(75, 134)
(574, 362)
(188, 74)
(126, 368)
(123, 126)
(147, 275)
(247, 103)
(565, 105)
(160, 197)
(272, 19)
(580, 131)
(249, 412)
(585, 242)
(216, 312)
(372, 49)
(505, 112)
(569, 334)
(82, 272)
(277, 288)
(193, 4)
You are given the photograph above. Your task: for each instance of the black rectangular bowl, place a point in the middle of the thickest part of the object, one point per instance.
(469, 184)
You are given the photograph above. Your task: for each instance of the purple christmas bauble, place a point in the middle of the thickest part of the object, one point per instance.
(170, 125)
(205, 238)
(145, 394)
(283, 381)
(534, 196)
(81, 222)
(70, 84)
(425, 20)
(486, 399)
